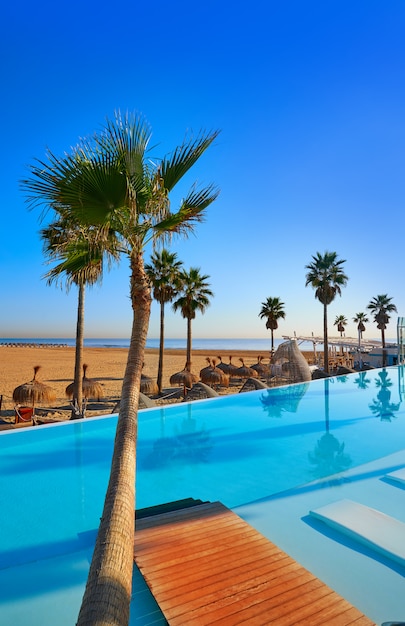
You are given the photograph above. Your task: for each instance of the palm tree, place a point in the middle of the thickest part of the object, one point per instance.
(109, 182)
(380, 306)
(360, 319)
(326, 276)
(272, 309)
(195, 294)
(81, 256)
(163, 272)
(340, 322)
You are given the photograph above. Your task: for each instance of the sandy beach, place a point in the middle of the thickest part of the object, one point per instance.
(107, 365)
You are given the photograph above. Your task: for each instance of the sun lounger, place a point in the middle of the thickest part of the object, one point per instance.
(370, 527)
(398, 476)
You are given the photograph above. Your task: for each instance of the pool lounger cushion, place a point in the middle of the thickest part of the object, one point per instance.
(370, 527)
(398, 476)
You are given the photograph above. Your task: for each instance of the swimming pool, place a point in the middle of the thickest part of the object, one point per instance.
(237, 449)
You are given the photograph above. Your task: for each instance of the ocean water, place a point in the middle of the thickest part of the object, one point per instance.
(215, 345)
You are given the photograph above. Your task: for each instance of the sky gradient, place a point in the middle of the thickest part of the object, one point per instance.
(310, 101)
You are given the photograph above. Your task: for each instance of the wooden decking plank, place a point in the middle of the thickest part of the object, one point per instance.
(215, 596)
(207, 555)
(207, 566)
(275, 602)
(238, 575)
(230, 606)
(203, 546)
(340, 612)
(196, 512)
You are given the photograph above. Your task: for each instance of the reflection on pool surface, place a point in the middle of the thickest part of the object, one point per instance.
(236, 449)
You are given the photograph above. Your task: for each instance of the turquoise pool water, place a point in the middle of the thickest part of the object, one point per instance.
(237, 449)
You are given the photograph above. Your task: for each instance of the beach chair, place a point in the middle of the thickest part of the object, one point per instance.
(23, 415)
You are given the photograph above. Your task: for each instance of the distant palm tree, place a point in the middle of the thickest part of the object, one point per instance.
(360, 319)
(81, 254)
(195, 295)
(273, 310)
(340, 322)
(163, 272)
(326, 276)
(380, 306)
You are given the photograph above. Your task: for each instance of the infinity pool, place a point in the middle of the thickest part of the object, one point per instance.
(237, 449)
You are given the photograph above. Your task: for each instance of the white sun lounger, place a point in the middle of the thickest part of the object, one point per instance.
(398, 476)
(370, 527)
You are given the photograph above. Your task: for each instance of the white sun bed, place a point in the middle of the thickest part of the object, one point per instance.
(398, 476)
(370, 527)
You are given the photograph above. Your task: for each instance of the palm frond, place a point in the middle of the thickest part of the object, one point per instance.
(175, 166)
(190, 213)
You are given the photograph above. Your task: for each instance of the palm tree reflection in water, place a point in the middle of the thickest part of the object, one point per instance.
(381, 406)
(190, 444)
(329, 457)
(362, 381)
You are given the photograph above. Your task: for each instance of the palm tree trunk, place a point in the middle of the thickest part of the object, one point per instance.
(107, 596)
(326, 402)
(161, 346)
(384, 354)
(188, 357)
(325, 339)
(272, 341)
(77, 400)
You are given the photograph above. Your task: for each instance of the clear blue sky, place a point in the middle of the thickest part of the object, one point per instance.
(310, 100)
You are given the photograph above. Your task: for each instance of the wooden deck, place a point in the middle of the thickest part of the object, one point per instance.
(207, 566)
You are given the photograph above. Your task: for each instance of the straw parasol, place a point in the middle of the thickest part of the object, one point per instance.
(245, 372)
(206, 368)
(225, 367)
(262, 369)
(232, 369)
(149, 386)
(91, 388)
(214, 376)
(34, 391)
(185, 378)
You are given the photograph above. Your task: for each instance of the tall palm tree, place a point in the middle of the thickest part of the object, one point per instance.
(195, 295)
(380, 306)
(273, 310)
(326, 276)
(81, 255)
(109, 182)
(163, 273)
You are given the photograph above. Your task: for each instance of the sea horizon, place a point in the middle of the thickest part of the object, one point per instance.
(215, 345)
(170, 343)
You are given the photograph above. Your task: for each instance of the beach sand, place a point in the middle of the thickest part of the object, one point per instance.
(107, 365)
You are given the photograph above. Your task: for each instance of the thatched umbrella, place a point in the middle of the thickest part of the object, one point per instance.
(148, 386)
(225, 367)
(245, 372)
(185, 378)
(33, 392)
(262, 369)
(91, 388)
(214, 376)
(232, 369)
(205, 369)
